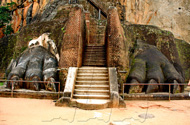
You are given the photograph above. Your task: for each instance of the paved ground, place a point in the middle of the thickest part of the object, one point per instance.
(20, 111)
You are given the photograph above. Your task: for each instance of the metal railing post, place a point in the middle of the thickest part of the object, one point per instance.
(169, 91)
(59, 90)
(123, 92)
(99, 14)
(12, 88)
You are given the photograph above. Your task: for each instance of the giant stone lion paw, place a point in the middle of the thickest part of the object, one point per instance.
(36, 63)
(152, 67)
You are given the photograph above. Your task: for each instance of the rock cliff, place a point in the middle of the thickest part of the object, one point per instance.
(172, 15)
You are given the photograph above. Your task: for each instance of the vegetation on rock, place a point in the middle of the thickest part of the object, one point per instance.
(5, 18)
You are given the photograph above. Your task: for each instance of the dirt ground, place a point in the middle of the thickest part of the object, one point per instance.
(20, 111)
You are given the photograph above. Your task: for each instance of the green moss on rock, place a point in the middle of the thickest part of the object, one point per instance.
(184, 56)
(164, 40)
(12, 46)
(7, 50)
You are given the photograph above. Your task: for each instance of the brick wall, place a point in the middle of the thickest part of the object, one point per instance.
(117, 55)
(73, 40)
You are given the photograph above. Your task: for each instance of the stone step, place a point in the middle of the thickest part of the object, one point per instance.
(87, 67)
(93, 78)
(94, 91)
(92, 82)
(91, 96)
(91, 92)
(93, 70)
(94, 61)
(95, 55)
(98, 56)
(98, 60)
(92, 87)
(94, 64)
(92, 104)
(95, 51)
(92, 101)
(92, 75)
(95, 46)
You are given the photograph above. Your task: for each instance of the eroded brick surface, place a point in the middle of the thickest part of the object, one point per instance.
(71, 50)
(116, 43)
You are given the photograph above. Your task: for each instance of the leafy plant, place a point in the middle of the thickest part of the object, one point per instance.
(5, 17)
(1, 83)
(8, 29)
(63, 29)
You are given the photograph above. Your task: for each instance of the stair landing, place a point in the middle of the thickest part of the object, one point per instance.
(91, 104)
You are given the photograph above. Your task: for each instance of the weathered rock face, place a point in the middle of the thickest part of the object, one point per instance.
(172, 15)
(27, 11)
(11, 46)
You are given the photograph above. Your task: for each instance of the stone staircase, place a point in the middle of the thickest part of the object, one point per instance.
(91, 89)
(92, 86)
(96, 34)
(94, 56)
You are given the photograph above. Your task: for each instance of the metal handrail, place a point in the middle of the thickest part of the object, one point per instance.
(24, 81)
(98, 6)
(124, 84)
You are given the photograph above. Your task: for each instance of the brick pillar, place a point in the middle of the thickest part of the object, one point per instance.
(117, 55)
(72, 46)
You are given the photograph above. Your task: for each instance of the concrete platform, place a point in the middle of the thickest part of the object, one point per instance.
(157, 96)
(23, 93)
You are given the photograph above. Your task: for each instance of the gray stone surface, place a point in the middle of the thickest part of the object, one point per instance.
(71, 77)
(113, 87)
